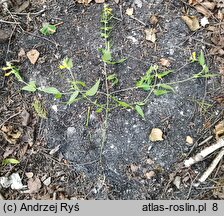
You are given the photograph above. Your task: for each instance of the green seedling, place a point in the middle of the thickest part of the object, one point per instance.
(31, 87)
(148, 81)
(8, 161)
(66, 64)
(106, 29)
(113, 79)
(48, 29)
(11, 69)
(204, 73)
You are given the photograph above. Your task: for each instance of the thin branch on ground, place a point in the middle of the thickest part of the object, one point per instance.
(205, 152)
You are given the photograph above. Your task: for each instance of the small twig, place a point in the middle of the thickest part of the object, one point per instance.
(9, 22)
(205, 152)
(9, 118)
(35, 13)
(210, 168)
(10, 38)
(134, 18)
(205, 141)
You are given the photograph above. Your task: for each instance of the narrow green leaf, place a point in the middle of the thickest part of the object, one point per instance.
(48, 29)
(52, 90)
(107, 56)
(163, 74)
(144, 86)
(93, 90)
(31, 87)
(201, 58)
(73, 97)
(165, 86)
(116, 62)
(140, 111)
(113, 78)
(66, 64)
(10, 161)
(159, 92)
(124, 104)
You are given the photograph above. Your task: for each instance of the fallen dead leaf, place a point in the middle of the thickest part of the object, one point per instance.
(164, 62)
(84, 1)
(153, 20)
(34, 185)
(33, 56)
(29, 175)
(150, 161)
(150, 174)
(156, 135)
(134, 167)
(219, 130)
(22, 53)
(203, 10)
(151, 34)
(209, 5)
(11, 134)
(192, 22)
(99, 1)
(130, 11)
(193, 2)
(189, 140)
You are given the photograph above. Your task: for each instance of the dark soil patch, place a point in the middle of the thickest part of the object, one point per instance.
(128, 156)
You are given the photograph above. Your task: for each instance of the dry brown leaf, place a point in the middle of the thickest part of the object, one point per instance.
(156, 135)
(220, 15)
(33, 56)
(153, 20)
(134, 167)
(21, 53)
(29, 175)
(84, 1)
(151, 34)
(209, 5)
(34, 185)
(219, 130)
(99, 1)
(189, 140)
(10, 134)
(150, 174)
(203, 10)
(192, 22)
(194, 2)
(164, 62)
(130, 11)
